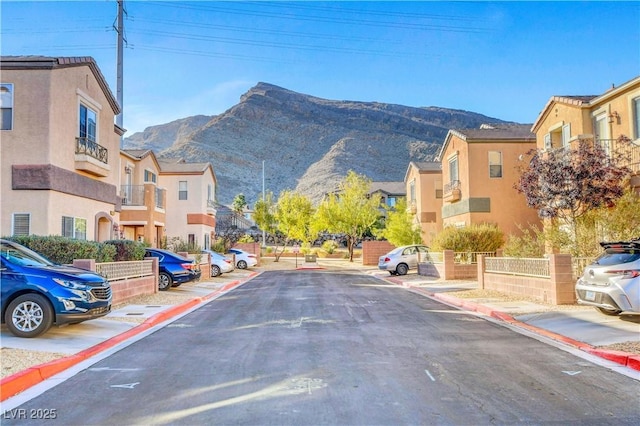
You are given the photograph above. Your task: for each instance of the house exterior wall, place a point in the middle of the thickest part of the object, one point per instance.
(482, 198)
(193, 215)
(427, 208)
(41, 174)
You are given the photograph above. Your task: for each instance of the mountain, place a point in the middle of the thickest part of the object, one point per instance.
(307, 143)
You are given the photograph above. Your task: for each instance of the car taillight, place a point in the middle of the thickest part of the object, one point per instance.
(251, 255)
(227, 260)
(626, 273)
(188, 266)
(387, 259)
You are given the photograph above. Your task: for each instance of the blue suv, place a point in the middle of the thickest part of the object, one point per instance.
(37, 293)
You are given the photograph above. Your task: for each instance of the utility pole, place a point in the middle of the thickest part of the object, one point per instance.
(264, 234)
(119, 67)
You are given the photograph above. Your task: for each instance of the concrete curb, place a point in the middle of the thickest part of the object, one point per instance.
(19, 382)
(623, 358)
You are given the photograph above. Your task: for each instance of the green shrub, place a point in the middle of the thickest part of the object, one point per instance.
(246, 238)
(126, 250)
(64, 250)
(305, 248)
(330, 246)
(177, 244)
(218, 246)
(474, 238)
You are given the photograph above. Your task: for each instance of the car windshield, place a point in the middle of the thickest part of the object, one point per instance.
(22, 256)
(617, 256)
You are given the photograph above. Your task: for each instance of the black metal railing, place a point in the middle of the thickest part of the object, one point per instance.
(627, 151)
(92, 149)
(449, 187)
(132, 195)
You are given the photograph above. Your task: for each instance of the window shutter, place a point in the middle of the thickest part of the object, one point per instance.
(547, 141)
(21, 223)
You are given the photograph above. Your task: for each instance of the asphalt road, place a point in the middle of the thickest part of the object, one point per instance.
(312, 348)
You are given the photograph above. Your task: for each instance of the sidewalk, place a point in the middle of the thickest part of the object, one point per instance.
(580, 327)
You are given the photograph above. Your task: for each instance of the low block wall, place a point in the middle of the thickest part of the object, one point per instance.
(250, 248)
(124, 290)
(372, 250)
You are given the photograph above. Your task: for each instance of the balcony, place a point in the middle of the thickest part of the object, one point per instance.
(92, 157)
(132, 195)
(628, 151)
(211, 208)
(451, 191)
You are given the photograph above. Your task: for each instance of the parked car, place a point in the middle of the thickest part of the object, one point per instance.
(220, 264)
(401, 259)
(174, 269)
(244, 259)
(612, 282)
(37, 293)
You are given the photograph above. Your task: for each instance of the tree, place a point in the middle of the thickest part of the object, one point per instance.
(239, 203)
(264, 214)
(293, 215)
(350, 211)
(566, 183)
(400, 229)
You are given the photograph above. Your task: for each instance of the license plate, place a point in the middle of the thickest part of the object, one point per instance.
(590, 295)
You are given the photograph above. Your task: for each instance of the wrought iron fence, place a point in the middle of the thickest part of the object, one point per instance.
(132, 195)
(533, 267)
(448, 187)
(92, 149)
(115, 271)
(471, 257)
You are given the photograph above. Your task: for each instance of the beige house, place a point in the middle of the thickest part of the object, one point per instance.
(190, 200)
(479, 171)
(143, 215)
(423, 186)
(601, 118)
(60, 148)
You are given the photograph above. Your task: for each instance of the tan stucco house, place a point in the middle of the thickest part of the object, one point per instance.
(423, 186)
(60, 148)
(143, 215)
(190, 200)
(478, 175)
(600, 118)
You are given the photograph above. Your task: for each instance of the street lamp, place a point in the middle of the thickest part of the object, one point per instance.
(264, 234)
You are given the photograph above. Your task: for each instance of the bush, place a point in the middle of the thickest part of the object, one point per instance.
(65, 250)
(330, 246)
(177, 244)
(127, 250)
(246, 238)
(474, 238)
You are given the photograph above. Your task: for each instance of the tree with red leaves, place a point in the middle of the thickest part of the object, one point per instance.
(565, 183)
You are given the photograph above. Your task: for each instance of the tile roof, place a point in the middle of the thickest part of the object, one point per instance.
(398, 188)
(497, 132)
(180, 166)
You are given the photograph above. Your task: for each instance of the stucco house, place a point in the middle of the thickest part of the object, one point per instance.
(478, 174)
(390, 192)
(423, 186)
(600, 118)
(143, 215)
(190, 200)
(60, 160)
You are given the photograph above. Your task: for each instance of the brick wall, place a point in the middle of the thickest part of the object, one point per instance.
(372, 250)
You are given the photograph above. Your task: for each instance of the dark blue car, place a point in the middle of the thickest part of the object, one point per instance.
(37, 293)
(174, 269)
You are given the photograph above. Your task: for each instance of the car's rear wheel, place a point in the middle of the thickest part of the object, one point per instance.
(609, 312)
(164, 281)
(242, 264)
(29, 315)
(215, 271)
(402, 269)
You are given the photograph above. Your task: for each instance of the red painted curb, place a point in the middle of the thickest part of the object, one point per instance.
(615, 356)
(23, 380)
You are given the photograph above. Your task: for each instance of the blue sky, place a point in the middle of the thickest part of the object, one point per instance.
(501, 59)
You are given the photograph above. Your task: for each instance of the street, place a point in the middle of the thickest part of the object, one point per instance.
(307, 347)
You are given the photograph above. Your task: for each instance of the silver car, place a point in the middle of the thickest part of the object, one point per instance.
(400, 260)
(612, 282)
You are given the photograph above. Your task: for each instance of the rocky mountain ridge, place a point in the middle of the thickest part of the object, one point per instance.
(306, 143)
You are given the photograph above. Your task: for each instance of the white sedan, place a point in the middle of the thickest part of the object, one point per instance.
(219, 263)
(244, 259)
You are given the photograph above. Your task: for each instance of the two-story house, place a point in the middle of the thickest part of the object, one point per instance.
(60, 148)
(478, 174)
(143, 215)
(598, 118)
(390, 193)
(190, 200)
(423, 186)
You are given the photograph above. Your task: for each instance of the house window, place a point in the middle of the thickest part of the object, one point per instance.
(182, 190)
(635, 107)
(149, 176)
(191, 239)
(547, 141)
(88, 123)
(6, 104)
(74, 227)
(566, 135)
(495, 164)
(207, 244)
(412, 191)
(391, 201)
(209, 192)
(453, 169)
(601, 130)
(21, 224)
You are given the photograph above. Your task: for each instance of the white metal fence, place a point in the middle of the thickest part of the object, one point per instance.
(532, 267)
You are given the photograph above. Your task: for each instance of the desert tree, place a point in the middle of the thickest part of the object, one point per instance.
(239, 203)
(399, 227)
(264, 214)
(565, 183)
(350, 211)
(293, 216)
